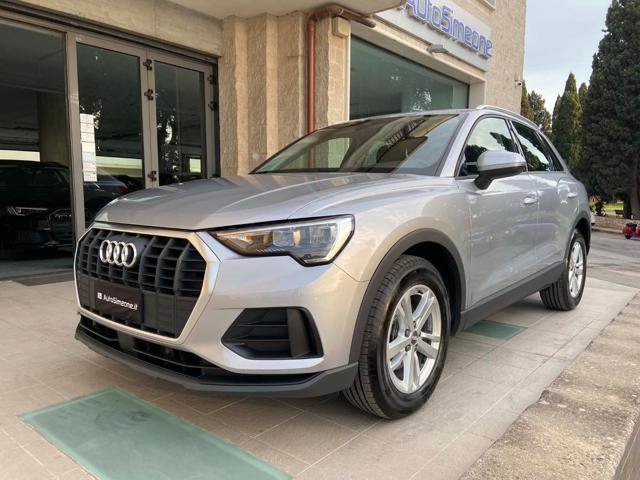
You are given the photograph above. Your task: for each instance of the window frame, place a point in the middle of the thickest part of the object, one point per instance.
(460, 159)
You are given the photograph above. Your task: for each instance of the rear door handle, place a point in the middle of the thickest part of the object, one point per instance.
(530, 200)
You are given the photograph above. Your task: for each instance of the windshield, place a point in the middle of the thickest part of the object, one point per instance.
(411, 144)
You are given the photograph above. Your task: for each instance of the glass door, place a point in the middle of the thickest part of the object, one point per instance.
(112, 124)
(143, 119)
(182, 119)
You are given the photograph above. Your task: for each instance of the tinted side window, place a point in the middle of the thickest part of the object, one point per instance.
(535, 152)
(549, 150)
(489, 134)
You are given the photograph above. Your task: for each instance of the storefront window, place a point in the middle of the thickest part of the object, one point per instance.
(384, 83)
(36, 233)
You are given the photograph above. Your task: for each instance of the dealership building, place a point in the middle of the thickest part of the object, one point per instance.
(104, 97)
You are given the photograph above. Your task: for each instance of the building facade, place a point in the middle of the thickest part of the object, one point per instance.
(104, 97)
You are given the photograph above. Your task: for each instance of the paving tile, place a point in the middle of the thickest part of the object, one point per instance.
(14, 379)
(468, 347)
(76, 474)
(6, 441)
(308, 437)
(459, 360)
(205, 422)
(255, 415)
(524, 360)
(539, 342)
(307, 403)
(454, 405)
(560, 324)
(204, 403)
(340, 411)
(496, 372)
(494, 423)
(544, 374)
(53, 459)
(450, 465)
(518, 400)
(366, 458)
(17, 464)
(26, 399)
(278, 459)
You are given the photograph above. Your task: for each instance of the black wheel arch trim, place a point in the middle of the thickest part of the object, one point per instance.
(413, 239)
(586, 217)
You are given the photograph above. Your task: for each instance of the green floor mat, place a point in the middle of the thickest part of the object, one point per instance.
(117, 436)
(502, 331)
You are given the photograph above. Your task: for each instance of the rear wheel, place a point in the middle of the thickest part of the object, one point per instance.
(405, 341)
(566, 293)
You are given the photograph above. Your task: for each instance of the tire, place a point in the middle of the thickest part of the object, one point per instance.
(628, 237)
(558, 296)
(379, 390)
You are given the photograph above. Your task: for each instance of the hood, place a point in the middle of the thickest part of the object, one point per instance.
(219, 202)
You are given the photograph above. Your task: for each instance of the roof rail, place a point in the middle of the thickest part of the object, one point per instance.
(509, 112)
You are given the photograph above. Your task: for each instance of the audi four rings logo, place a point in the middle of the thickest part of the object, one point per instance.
(121, 254)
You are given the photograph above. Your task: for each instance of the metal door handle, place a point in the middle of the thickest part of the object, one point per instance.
(530, 200)
(572, 195)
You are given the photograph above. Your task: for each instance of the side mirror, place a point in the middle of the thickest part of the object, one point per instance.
(498, 164)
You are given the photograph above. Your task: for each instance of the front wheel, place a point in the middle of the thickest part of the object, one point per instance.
(405, 341)
(628, 237)
(566, 293)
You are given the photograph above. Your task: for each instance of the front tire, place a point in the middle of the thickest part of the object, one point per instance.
(405, 341)
(566, 293)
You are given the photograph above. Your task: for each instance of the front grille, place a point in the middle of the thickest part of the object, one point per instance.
(167, 265)
(169, 273)
(176, 361)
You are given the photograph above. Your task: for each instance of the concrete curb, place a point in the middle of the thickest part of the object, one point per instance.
(586, 424)
(607, 230)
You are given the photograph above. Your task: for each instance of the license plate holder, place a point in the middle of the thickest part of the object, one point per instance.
(120, 301)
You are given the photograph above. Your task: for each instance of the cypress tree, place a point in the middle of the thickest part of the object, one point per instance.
(611, 142)
(554, 115)
(567, 130)
(582, 93)
(540, 114)
(525, 108)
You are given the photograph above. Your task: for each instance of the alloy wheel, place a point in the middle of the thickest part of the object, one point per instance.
(576, 269)
(413, 338)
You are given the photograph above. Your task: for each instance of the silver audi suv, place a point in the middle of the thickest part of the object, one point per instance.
(343, 263)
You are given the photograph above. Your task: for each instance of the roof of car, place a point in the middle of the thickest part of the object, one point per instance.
(451, 111)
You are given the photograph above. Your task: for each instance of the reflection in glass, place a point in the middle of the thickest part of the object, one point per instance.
(180, 122)
(36, 233)
(110, 99)
(383, 83)
(406, 144)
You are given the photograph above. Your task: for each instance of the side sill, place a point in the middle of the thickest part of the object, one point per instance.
(510, 295)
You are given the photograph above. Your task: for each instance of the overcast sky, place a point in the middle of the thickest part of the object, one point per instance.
(562, 36)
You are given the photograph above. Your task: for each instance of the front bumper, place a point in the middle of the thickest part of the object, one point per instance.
(305, 385)
(233, 284)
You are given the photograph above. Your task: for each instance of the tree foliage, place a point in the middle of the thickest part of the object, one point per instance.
(567, 130)
(582, 93)
(554, 115)
(541, 115)
(611, 123)
(525, 108)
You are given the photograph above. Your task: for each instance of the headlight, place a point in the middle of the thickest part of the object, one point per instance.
(24, 211)
(311, 242)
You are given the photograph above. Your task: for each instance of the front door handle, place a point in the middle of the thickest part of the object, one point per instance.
(572, 195)
(530, 200)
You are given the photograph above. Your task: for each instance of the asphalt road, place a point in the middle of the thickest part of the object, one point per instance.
(615, 259)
